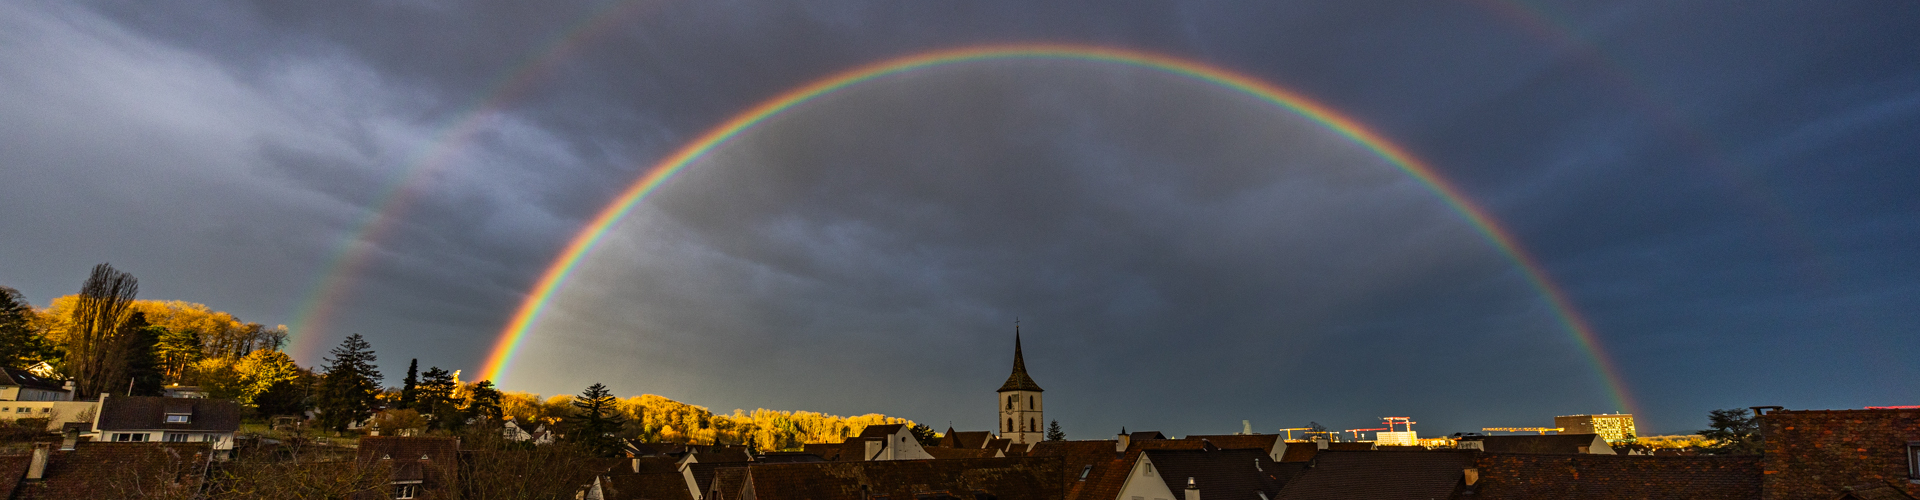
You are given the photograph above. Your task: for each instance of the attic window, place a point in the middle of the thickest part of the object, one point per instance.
(1084, 471)
(1913, 461)
(177, 418)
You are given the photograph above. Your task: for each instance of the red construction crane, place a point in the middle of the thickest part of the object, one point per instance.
(1405, 423)
(1356, 432)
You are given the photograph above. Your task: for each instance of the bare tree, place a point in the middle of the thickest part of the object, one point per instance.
(97, 344)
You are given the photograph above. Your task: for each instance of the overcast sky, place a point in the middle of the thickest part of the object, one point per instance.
(1729, 192)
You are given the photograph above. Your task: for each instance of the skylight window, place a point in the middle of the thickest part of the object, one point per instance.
(177, 418)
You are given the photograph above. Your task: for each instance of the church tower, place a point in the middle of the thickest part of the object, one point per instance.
(1020, 403)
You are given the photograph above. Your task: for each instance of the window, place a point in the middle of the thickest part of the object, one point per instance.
(1009, 425)
(1029, 402)
(176, 437)
(1084, 471)
(1913, 460)
(1149, 468)
(1010, 400)
(401, 491)
(1033, 425)
(130, 437)
(176, 418)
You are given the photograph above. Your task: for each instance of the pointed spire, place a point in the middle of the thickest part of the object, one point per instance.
(1019, 380)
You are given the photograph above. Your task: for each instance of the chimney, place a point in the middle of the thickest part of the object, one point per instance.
(1121, 446)
(1193, 490)
(1246, 427)
(37, 469)
(1320, 442)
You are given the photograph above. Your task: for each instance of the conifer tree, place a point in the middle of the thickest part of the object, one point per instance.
(20, 345)
(434, 396)
(351, 388)
(484, 401)
(595, 420)
(1054, 433)
(410, 385)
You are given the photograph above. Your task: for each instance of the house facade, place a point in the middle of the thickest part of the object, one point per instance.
(1825, 454)
(147, 419)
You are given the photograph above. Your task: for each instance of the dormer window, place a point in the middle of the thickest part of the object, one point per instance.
(177, 418)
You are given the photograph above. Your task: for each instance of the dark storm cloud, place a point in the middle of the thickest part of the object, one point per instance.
(1718, 189)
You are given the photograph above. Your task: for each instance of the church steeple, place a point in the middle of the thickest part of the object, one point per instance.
(1019, 381)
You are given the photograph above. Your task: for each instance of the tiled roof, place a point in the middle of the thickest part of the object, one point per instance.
(1300, 451)
(881, 431)
(1380, 475)
(653, 486)
(115, 470)
(1243, 474)
(703, 474)
(22, 378)
(1078, 457)
(1552, 444)
(999, 444)
(651, 465)
(1262, 442)
(1146, 435)
(1350, 446)
(13, 469)
(727, 483)
(130, 413)
(434, 461)
(787, 457)
(1106, 479)
(1019, 381)
(1616, 477)
(966, 439)
(1008, 478)
(953, 453)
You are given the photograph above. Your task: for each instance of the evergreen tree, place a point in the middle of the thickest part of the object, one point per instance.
(925, 435)
(434, 396)
(143, 364)
(1054, 433)
(595, 420)
(285, 397)
(20, 345)
(1734, 431)
(177, 350)
(411, 384)
(484, 401)
(351, 388)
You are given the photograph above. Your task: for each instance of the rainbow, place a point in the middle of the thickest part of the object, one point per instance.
(516, 329)
(310, 317)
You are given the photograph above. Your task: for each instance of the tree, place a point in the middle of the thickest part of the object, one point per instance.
(286, 397)
(261, 370)
(176, 351)
(20, 343)
(595, 420)
(96, 337)
(351, 387)
(1734, 432)
(1054, 433)
(924, 434)
(484, 401)
(409, 384)
(434, 397)
(142, 365)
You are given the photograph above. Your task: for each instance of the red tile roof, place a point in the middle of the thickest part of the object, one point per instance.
(1243, 474)
(1008, 478)
(1106, 479)
(1300, 451)
(434, 461)
(957, 453)
(1616, 477)
(122, 470)
(1553, 444)
(1380, 475)
(13, 469)
(965, 439)
(652, 486)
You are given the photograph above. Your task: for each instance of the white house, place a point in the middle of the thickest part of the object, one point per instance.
(139, 419)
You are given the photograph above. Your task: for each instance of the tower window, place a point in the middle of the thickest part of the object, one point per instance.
(1029, 402)
(1009, 425)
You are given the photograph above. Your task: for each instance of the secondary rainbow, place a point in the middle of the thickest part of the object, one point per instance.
(311, 315)
(562, 266)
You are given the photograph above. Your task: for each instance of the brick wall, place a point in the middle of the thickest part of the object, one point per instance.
(1814, 454)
